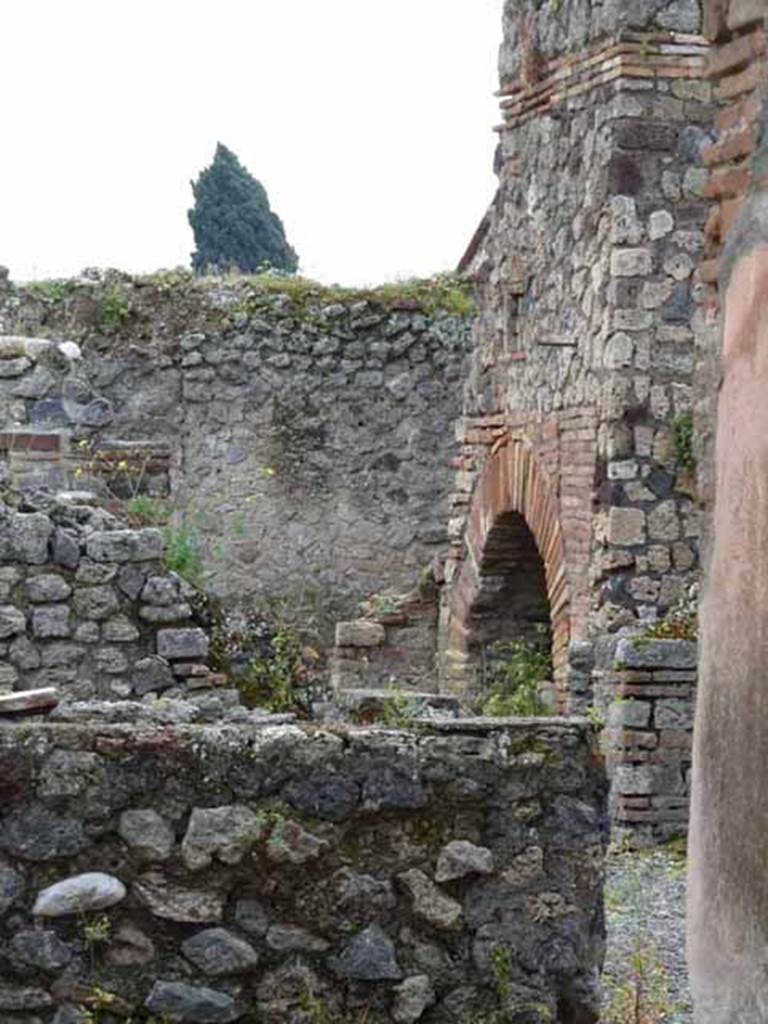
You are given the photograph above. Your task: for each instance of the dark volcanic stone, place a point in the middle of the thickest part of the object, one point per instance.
(388, 788)
(37, 834)
(187, 1003)
(324, 795)
(41, 949)
(11, 887)
(217, 952)
(370, 956)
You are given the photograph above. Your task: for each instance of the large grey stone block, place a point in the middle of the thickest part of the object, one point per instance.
(177, 644)
(638, 652)
(125, 545)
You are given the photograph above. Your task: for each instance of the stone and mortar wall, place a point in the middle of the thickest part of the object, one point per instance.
(87, 607)
(584, 348)
(307, 436)
(391, 643)
(295, 875)
(648, 703)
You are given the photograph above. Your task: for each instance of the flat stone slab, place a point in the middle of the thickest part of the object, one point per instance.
(377, 700)
(639, 652)
(487, 724)
(29, 700)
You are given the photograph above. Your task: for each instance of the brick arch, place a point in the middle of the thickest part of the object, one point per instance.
(513, 494)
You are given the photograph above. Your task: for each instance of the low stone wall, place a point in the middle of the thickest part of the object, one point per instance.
(86, 606)
(649, 705)
(299, 875)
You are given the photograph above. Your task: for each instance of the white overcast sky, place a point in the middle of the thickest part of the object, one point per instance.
(369, 122)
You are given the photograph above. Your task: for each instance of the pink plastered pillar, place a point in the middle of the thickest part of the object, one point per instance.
(728, 867)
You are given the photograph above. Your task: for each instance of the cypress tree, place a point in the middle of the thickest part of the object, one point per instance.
(232, 221)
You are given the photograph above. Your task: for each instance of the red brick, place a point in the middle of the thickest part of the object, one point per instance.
(729, 211)
(732, 182)
(746, 110)
(21, 442)
(736, 54)
(745, 12)
(740, 144)
(708, 271)
(736, 85)
(715, 12)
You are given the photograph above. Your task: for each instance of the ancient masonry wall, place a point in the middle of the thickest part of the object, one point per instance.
(648, 700)
(306, 436)
(210, 874)
(582, 366)
(86, 607)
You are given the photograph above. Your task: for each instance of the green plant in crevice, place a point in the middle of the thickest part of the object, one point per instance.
(682, 428)
(50, 291)
(501, 964)
(114, 308)
(95, 931)
(279, 677)
(399, 709)
(680, 623)
(512, 673)
(183, 552)
(147, 511)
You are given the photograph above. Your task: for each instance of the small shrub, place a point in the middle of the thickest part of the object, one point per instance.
(512, 675)
(270, 663)
(279, 678)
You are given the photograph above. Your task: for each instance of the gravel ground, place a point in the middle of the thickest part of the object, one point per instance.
(645, 910)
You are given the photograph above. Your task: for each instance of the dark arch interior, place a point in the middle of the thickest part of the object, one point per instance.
(512, 601)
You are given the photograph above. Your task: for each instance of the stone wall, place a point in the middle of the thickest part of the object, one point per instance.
(297, 875)
(583, 356)
(305, 433)
(87, 607)
(648, 702)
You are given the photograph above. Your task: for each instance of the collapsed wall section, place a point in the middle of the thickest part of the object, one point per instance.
(216, 874)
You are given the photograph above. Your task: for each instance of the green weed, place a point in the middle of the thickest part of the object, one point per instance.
(682, 427)
(183, 553)
(114, 308)
(511, 676)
